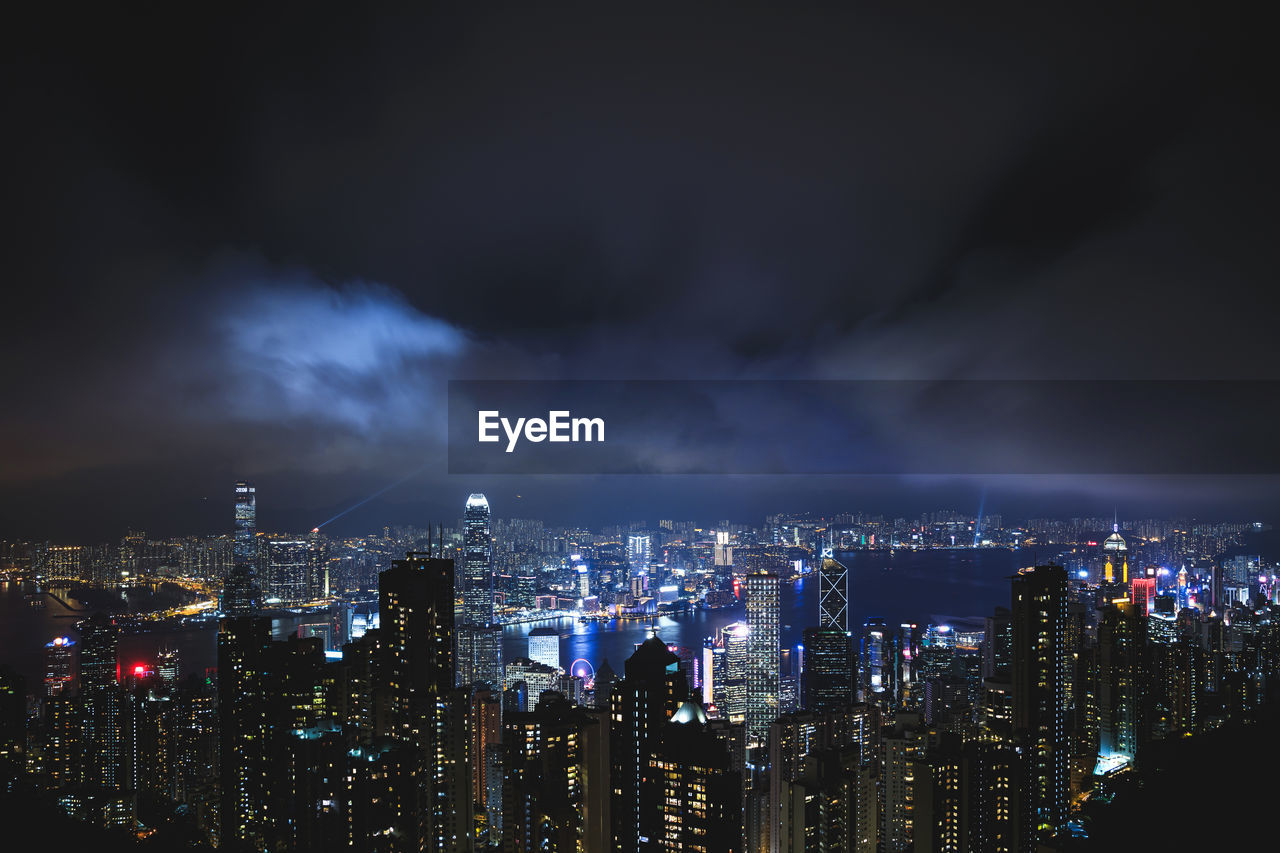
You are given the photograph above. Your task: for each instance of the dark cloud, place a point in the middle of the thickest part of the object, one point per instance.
(260, 244)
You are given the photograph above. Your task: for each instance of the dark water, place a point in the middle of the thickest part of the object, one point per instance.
(924, 586)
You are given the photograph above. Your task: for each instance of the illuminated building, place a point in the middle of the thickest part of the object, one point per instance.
(876, 664)
(476, 577)
(243, 719)
(13, 718)
(940, 824)
(485, 728)
(167, 666)
(1040, 672)
(898, 751)
(288, 562)
(555, 782)
(1188, 682)
(59, 667)
(536, 676)
(828, 669)
(997, 649)
(1142, 591)
(829, 806)
(713, 675)
(338, 797)
(639, 553)
(733, 692)
(240, 593)
(994, 787)
(849, 731)
(762, 655)
(416, 627)
(479, 650)
(690, 793)
(833, 595)
(479, 641)
(246, 529)
(907, 664)
(1121, 640)
(62, 745)
(103, 701)
(544, 646)
(639, 706)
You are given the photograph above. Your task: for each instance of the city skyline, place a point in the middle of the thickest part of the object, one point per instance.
(723, 429)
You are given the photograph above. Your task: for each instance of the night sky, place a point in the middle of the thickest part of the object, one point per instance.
(257, 246)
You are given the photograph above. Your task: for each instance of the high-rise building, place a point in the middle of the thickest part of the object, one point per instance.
(639, 706)
(246, 530)
(537, 678)
(240, 593)
(732, 692)
(1040, 672)
(59, 667)
(827, 679)
(555, 788)
(1120, 679)
(288, 566)
(876, 667)
(997, 646)
(478, 653)
(830, 805)
(833, 595)
(485, 730)
(763, 636)
(639, 554)
(1143, 592)
(13, 719)
(690, 793)
(899, 752)
(544, 646)
(849, 732)
(476, 578)
(102, 698)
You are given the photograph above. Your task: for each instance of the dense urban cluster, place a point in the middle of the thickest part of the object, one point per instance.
(385, 716)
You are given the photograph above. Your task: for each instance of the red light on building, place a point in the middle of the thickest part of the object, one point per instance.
(1092, 544)
(139, 670)
(1143, 593)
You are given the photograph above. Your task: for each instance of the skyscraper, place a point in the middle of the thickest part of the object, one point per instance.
(1122, 638)
(240, 593)
(59, 667)
(638, 553)
(288, 563)
(479, 640)
(416, 618)
(246, 523)
(833, 595)
(762, 655)
(827, 681)
(1039, 617)
(103, 700)
(555, 785)
(639, 705)
(477, 563)
(690, 794)
(876, 664)
(544, 646)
